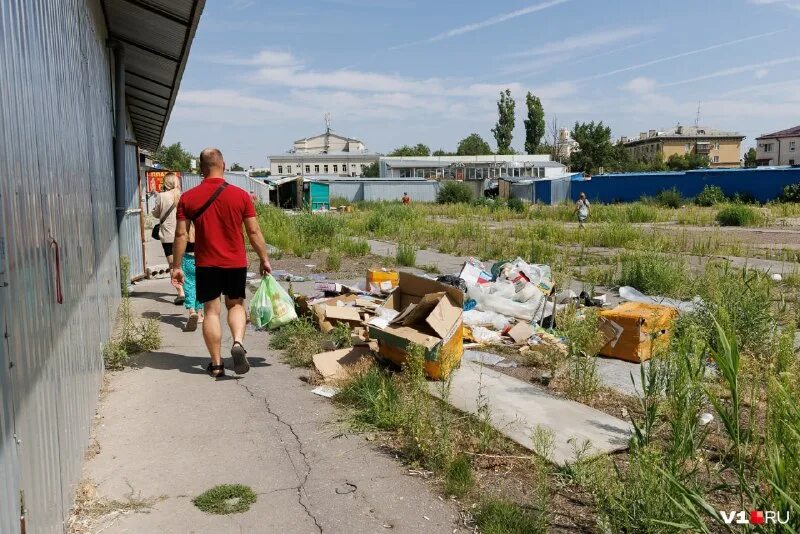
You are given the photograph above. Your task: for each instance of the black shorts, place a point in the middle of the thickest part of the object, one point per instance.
(167, 249)
(215, 281)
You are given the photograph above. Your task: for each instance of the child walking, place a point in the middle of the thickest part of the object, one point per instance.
(191, 303)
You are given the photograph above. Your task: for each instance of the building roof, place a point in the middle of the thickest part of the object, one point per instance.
(486, 158)
(685, 132)
(329, 134)
(309, 156)
(789, 132)
(157, 36)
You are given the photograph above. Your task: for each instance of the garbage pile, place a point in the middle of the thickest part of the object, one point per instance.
(512, 304)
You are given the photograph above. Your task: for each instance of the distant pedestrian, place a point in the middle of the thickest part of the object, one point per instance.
(218, 211)
(166, 211)
(194, 307)
(582, 209)
(406, 199)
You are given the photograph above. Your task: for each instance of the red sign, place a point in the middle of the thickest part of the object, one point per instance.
(155, 180)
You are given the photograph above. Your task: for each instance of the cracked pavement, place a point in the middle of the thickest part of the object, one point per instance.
(167, 430)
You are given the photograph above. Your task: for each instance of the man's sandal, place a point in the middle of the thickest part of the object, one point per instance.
(240, 364)
(215, 371)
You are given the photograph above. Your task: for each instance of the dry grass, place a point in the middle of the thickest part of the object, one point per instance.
(93, 514)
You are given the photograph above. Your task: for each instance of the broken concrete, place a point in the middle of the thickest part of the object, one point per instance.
(517, 408)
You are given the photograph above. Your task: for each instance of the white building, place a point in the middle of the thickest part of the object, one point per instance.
(486, 167)
(779, 148)
(566, 145)
(325, 154)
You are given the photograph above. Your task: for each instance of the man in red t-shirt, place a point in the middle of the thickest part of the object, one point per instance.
(218, 211)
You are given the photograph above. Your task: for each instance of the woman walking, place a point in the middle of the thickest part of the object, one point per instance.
(166, 204)
(191, 303)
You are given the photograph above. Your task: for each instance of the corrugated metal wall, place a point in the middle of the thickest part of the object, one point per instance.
(56, 125)
(261, 189)
(380, 189)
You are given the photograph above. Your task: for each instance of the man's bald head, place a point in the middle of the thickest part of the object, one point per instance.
(211, 163)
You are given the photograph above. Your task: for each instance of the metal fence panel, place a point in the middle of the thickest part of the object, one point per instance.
(419, 191)
(55, 120)
(130, 232)
(350, 191)
(560, 190)
(242, 181)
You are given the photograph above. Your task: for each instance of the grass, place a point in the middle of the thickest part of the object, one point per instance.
(653, 273)
(459, 478)
(226, 499)
(497, 516)
(739, 215)
(406, 255)
(132, 337)
(299, 341)
(333, 261)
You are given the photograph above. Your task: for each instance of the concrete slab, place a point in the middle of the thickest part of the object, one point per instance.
(616, 374)
(517, 408)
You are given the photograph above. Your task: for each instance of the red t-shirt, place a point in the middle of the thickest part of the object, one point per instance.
(219, 239)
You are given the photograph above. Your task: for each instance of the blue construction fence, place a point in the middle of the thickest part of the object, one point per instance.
(762, 183)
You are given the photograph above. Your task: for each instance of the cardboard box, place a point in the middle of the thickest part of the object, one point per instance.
(645, 328)
(382, 280)
(430, 316)
(320, 308)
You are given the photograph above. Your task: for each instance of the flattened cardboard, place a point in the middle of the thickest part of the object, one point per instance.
(342, 313)
(332, 365)
(521, 332)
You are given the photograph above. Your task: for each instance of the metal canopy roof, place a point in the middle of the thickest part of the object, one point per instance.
(157, 36)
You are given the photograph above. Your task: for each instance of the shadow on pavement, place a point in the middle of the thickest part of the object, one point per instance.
(167, 361)
(166, 298)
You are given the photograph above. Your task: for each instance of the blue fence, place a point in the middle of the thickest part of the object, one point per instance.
(763, 184)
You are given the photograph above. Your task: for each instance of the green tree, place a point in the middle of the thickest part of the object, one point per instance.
(596, 150)
(443, 152)
(373, 170)
(750, 158)
(473, 145)
(686, 162)
(504, 129)
(174, 157)
(405, 150)
(236, 167)
(534, 124)
(260, 174)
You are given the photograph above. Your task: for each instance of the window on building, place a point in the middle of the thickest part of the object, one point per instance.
(335, 168)
(767, 147)
(791, 162)
(280, 169)
(362, 167)
(715, 159)
(792, 145)
(688, 147)
(316, 169)
(326, 169)
(716, 145)
(308, 169)
(288, 169)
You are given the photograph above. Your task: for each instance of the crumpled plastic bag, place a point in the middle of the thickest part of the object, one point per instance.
(261, 306)
(498, 302)
(282, 304)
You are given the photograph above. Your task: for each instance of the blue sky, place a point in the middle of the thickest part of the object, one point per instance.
(392, 72)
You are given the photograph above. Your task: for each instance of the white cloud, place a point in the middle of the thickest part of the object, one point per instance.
(585, 41)
(679, 56)
(761, 73)
(735, 70)
(265, 58)
(791, 4)
(641, 85)
(491, 21)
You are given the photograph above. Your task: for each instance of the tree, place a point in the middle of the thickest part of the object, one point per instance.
(534, 124)
(451, 192)
(473, 145)
(260, 174)
(443, 152)
(596, 150)
(504, 129)
(405, 150)
(174, 157)
(373, 170)
(686, 162)
(750, 158)
(236, 167)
